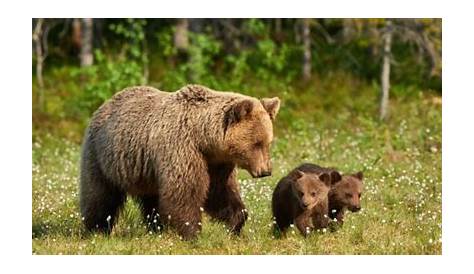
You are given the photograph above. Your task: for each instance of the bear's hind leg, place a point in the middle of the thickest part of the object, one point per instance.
(100, 209)
(100, 200)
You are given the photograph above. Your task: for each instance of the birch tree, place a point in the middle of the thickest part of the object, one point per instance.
(41, 51)
(306, 49)
(385, 74)
(85, 55)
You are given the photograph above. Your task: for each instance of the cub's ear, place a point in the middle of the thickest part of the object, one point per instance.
(299, 174)
(359, 175)
(271, 105)
(335, 177)
(237, 112)
(325, 178)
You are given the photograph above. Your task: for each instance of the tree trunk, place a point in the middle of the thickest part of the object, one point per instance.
(194, 59)
(181, 41)
(86, 55)
(146, 62)
(385, 76)
(278, 26)
(306, 49)
(39, 51)
(76, 34)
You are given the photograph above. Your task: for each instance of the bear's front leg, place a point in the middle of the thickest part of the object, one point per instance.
(182, 196)
(320, 215)
(223, 201)
(340, 217)
(303, 223)
(181, 210)
(186, 221)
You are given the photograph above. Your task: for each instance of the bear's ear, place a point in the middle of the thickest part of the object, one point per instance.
(325, 178)
(335, 177)
(237, 112)
(359, 175)
(271, 105)
(299, 174)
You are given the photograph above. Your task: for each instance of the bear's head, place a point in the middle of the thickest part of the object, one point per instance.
(348, 190)
(248, 134)
(310, 188)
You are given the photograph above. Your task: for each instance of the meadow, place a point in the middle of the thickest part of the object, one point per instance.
(331, 123)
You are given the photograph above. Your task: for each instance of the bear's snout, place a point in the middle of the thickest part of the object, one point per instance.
(355, 208)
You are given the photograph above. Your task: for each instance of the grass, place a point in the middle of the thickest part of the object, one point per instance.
(333, 125)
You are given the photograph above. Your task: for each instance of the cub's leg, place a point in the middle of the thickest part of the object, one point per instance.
(303, 223)
(320, 215)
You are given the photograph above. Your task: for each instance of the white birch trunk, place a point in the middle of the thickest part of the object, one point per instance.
(385, 76)
(86, 56)
(306, 50)
(39, 51)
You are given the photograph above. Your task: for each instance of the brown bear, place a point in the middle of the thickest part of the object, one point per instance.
(294, 198)
(344, 194)
(176, 153)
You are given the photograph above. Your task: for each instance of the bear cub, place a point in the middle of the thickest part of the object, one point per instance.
(344, 194)
(294, 198)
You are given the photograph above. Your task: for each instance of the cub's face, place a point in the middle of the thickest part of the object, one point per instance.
(348, 191)
(249, 134)
(310, 189)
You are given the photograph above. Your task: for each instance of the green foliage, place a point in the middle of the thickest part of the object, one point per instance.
(110, 74)
(201, 53)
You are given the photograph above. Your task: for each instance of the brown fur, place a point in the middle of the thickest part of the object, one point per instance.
(176, 153)
(344, 194)
(294, 198)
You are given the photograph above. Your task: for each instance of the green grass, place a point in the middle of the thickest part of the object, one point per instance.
(331, 126)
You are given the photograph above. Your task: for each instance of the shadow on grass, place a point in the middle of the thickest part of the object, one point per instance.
(41, 229)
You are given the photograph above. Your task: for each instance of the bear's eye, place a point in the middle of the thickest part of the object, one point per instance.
(348, 195)
(313, 194)
(301, 193)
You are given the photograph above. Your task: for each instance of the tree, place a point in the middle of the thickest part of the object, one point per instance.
(424, 34)
(181, 34)
(385, 75)
(85, 55)
(41, 51)
(306, 49)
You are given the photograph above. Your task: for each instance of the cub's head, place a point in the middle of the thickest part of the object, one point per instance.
(248, 134)
(348, 190)
(310, 188)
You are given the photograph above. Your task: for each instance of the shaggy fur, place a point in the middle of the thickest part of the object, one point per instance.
(344, 194)
(176, 153)
(294, 198)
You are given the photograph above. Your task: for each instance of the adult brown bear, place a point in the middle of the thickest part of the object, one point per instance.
(176, 153)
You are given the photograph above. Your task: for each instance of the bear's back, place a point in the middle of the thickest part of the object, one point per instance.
(312, 168)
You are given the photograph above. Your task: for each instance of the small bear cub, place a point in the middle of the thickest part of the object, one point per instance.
(345, 194)
(294, 198)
